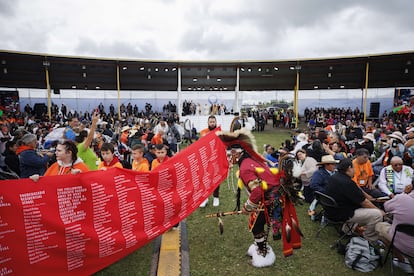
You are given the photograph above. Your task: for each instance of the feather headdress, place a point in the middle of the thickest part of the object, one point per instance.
(243, 138)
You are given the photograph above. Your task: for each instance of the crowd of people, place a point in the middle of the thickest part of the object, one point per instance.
(336, 154)
(30, 143)
(360, 166)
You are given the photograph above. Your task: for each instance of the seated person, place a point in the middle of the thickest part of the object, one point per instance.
(110, 160)
(269, 155)
(363, 173)
(394, 178)
(400, 206)
(320, 179)
(353, 205)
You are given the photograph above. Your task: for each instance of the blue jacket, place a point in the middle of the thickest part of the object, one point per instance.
(319, 180)
(32, 163)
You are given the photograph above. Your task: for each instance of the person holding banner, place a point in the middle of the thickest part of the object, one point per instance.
(212, 125)
(31, 161)
(67, 161)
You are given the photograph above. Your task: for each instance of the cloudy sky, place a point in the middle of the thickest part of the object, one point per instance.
(207, 29)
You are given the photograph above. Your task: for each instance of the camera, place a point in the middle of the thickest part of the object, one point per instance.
(394, 143)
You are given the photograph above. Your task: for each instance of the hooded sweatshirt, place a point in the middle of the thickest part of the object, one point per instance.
(59, 168)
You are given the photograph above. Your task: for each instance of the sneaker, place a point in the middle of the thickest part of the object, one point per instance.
(404, 266)
(204, 204)
(216, 201)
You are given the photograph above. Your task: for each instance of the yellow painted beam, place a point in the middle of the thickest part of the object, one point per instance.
(169, 263)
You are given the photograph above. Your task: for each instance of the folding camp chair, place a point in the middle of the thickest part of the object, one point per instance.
(329, 202)
(407, 229)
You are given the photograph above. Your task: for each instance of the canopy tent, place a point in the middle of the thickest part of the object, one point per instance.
(52, 72)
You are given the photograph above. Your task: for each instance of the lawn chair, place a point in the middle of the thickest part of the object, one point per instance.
(328, 201)
(407, 229)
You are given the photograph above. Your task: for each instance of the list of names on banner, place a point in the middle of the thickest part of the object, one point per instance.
(165, 190)
(182, 182)
(102, 220)
(70, 211)
(5, 230)
(37, 236)
(195, 179)
(127, 209)
(148, 200)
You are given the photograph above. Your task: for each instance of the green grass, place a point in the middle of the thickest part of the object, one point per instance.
(214, 254)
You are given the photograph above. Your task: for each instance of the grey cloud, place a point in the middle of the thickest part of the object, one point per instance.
(8, 8)
(118, 49)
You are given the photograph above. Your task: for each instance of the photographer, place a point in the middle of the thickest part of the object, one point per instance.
(5, 136)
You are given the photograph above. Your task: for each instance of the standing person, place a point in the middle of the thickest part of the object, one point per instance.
(67, 162)
(161, 153)
(212, 125)
(139, 163)
(353, 205)
(69, 132)
(110, 160)
(266, 203)
(31, 162)
(173, 136)
(84, 140)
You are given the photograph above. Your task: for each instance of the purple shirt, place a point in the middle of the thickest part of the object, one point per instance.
(401, 206)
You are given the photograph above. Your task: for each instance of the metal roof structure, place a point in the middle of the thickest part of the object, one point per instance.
(27, 70)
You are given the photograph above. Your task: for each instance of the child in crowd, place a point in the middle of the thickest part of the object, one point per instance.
(161, 153)
(109, 159)
(140, 164)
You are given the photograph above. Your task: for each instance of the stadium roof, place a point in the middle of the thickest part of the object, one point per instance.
(27, 70)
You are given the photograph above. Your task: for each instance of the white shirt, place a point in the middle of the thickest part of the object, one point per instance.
(400, 179)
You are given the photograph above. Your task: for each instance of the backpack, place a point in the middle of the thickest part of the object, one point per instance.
(361, 255)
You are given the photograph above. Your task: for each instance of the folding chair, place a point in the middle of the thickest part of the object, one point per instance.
(407, 229)
(329, 202)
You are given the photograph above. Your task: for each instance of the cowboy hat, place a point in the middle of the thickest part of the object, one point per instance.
(125, 128)
(370, 137)
(397, 135)
(327, 159)
(302, 137)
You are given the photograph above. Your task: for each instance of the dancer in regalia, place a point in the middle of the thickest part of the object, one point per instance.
(269, 203)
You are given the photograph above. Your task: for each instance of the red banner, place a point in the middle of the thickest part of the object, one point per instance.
(79, 224)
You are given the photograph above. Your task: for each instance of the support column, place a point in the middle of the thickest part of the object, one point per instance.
(179, 104)
(237, 90)
(366, 91)
(49, 104)
(118, 86)
(296, 99)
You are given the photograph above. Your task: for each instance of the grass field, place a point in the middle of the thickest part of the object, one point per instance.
(214, 254)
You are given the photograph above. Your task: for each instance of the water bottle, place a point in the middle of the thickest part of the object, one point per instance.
(323, 220)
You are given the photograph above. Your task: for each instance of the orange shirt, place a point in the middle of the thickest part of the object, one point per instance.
(124, 137)
(156, 139)
(362, 172)
(56, 169)
(155, 163)
(115, 165)
(140, 166)
(204, 132)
